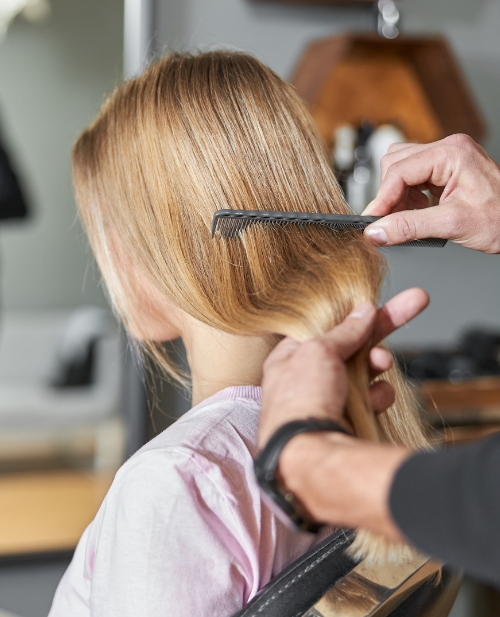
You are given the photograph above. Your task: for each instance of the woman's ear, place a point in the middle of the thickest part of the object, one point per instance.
(151, 315)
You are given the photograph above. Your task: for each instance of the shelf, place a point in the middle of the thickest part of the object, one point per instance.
(462, 412)
(413, 82)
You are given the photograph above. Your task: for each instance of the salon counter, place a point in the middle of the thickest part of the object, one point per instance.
(47, 512)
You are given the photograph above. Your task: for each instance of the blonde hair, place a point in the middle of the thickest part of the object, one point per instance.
(198, 133)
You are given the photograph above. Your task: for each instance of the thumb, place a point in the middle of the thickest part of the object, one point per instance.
(443, 222)
(348, 337)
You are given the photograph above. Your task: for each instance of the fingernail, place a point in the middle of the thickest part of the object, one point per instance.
(377, 235)
(362, 310)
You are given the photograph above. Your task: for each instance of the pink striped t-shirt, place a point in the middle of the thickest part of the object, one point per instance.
(182, 530)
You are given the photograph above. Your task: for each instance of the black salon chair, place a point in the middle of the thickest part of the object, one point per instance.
(326, 582)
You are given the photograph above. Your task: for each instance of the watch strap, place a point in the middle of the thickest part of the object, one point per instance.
(266, 464)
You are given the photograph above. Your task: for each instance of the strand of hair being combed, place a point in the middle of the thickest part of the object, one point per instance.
(369, 546)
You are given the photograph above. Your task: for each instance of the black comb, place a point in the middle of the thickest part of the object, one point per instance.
(230, 223)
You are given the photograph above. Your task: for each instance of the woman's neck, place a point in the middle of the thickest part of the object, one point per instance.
(218, 360)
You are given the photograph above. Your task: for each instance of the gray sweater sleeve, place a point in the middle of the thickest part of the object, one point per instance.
(447, 503)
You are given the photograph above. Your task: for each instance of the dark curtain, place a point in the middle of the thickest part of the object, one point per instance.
(13, 204)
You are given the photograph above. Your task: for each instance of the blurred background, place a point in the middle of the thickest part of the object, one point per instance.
(72, 400)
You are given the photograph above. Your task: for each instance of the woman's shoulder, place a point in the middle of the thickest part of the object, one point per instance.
(221, 426)
(207, 451)
(195, 479)
(186, 502)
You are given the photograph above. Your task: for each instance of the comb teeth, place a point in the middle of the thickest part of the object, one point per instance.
(426, 242)
(229, 227)
(229, 224)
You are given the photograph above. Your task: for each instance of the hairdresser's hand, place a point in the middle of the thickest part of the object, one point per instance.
(310, 379)
(458, 172)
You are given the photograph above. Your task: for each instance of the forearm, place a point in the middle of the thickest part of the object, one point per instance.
(342, 480)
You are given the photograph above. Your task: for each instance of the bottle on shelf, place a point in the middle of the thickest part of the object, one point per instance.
(345, 138)
(359, 182)
(378, 143)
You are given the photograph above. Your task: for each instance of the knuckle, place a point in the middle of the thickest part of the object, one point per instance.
(386, 163)
(394, 170)
(463, 141)
(406, 228)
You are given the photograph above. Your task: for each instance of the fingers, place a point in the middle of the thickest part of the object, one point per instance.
(398, 311)
(411, 167)
(394, 155)
(349, 336)
(443, 221)
(405, 145)
(381, 396)
(380, 360)
(414, 200)
(362, 324)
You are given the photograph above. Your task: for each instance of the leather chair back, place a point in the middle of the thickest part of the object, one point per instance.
(326, 582)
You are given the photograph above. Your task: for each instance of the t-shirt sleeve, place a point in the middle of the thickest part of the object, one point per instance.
(447, 503)
(73, 593)
(166, 542)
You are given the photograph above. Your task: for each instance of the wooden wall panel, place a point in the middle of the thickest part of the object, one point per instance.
(414, 82)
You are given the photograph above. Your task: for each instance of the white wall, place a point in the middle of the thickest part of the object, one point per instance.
(53, 78)
(276, 34)
(465, 286)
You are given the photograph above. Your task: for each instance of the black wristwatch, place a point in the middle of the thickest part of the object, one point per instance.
(282, 502)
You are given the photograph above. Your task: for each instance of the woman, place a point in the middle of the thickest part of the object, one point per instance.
(182, 530)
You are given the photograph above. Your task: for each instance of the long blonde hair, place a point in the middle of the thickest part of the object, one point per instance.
(198, 133)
